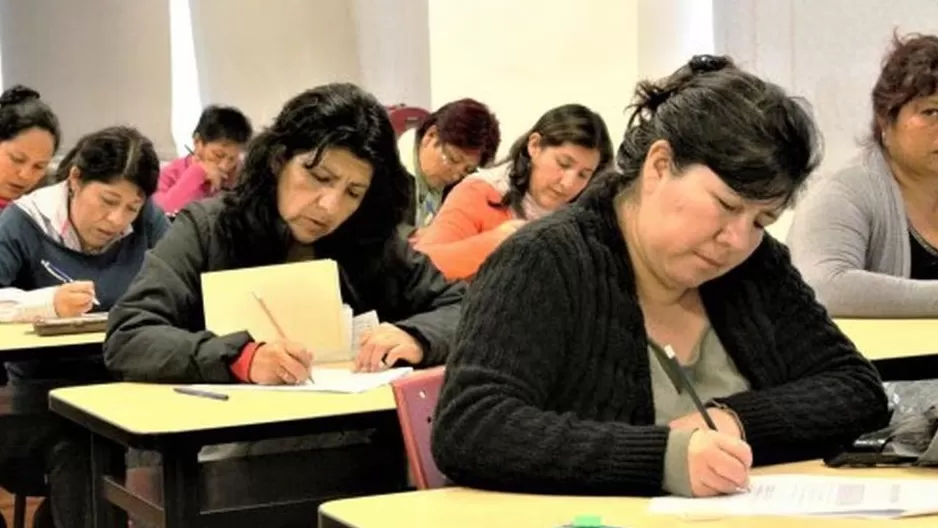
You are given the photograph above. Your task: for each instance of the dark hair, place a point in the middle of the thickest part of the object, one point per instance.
(223, 123)
(112, 154)
(762, 143)
(21, 109)
(909, 71)
(467, 125)
(336, 115)
(572, 123)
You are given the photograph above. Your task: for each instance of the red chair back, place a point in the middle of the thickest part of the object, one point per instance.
(404, 117)
(416, 396)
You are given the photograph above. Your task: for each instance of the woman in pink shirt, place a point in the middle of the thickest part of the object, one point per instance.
(219, 138)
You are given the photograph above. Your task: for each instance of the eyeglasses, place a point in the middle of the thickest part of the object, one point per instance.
(451, 160)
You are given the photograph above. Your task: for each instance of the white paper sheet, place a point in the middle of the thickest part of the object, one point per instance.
(326, 380)
(802, 495)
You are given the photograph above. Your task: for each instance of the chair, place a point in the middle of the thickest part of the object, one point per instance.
(416, 396)
(404, 117)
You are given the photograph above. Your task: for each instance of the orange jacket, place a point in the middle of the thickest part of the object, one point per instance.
(463, 234)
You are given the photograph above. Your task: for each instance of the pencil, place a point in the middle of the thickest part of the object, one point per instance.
(270, 316)
(273, 321)
(687, 386)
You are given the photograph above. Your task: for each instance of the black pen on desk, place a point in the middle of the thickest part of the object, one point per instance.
(62, 277)
(689, 387)
(201, 393)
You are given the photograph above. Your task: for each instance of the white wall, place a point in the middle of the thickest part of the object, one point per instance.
(670, 32)
(96, 63)
(257, 54)
(523, 57)
(394, 50)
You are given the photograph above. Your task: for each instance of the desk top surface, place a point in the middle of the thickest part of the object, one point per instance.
(462, 507)
(879, 339)
(19, 336)
(150, 409)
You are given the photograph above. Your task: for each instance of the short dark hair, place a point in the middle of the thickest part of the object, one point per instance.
(336, 115)
(761, 142)
(468, 125)
(571, 123)
(909, 71)
(223, 123)
(21, 109)
(113, 154)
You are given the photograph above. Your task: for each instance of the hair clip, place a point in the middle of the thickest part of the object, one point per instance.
(708, 63)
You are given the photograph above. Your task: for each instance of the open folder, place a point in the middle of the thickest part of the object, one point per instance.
(304, 298)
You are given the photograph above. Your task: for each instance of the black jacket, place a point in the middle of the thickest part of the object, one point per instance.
(156, 332)
(553, 394)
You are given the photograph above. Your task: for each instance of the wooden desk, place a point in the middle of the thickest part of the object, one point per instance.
(462, 507)
(900, 348)
(154, 417)
(17, 337)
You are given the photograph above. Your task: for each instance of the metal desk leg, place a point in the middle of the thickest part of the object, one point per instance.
(182, 501)
(107, 460)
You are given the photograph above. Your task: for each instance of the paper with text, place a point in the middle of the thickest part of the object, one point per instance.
(802, 495)
(328, 380)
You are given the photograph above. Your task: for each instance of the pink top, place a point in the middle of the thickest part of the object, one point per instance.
(181, 182)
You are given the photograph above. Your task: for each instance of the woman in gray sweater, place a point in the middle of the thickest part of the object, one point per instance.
(865, 238)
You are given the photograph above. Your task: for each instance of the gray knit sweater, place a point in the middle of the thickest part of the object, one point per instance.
(850, 240)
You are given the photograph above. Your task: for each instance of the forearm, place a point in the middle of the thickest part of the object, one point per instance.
(435, 330)
(499, 442)
(860, 293)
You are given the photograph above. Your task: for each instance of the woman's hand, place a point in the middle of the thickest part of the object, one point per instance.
(718, 464)
(280, 363)
(73, 299)
(382, 347)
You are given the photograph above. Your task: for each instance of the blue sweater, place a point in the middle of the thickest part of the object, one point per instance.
(24, 244)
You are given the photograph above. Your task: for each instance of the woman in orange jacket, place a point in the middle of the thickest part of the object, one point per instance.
(547, 167)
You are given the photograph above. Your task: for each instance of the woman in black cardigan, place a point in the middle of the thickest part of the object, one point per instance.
(558, 381)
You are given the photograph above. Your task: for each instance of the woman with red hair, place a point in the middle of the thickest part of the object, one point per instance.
(451, 143)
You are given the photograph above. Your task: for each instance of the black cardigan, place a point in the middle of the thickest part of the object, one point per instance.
(156, 332)
(548, 389)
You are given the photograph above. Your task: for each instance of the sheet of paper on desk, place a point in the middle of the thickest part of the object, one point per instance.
(802, 495)
(329, 380)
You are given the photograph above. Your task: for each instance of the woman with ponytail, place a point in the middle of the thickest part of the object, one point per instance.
(567, 370)
(324, 181)
(547, 167)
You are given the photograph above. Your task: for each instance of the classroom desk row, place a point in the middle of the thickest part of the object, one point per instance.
(466, 508)
(153, 417)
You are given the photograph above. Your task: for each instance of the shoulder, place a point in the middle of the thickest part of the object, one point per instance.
(769, 266)
(862, 181)
(478, 186)
(16, 222)
(176, 166)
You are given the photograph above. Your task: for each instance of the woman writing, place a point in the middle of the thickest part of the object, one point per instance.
(323, 182)
(561, 381)
(546, 168)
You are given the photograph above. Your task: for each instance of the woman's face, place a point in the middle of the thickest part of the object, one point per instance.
(559, 174)
(692, 227)
(315, 200)
(23, 162)
(912, 140)
(444, 164)
(101, 211)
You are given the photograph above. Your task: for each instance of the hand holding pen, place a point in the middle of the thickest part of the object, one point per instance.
(73, 298)
(718, 462)
(281, 362)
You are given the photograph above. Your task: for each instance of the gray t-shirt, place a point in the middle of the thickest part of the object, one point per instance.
(713, 374)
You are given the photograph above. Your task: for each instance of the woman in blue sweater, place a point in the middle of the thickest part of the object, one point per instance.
(94, 226)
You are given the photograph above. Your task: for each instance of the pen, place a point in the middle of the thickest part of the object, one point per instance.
(201, 393)
(62, 277)
(273, 321)
(687, 386)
